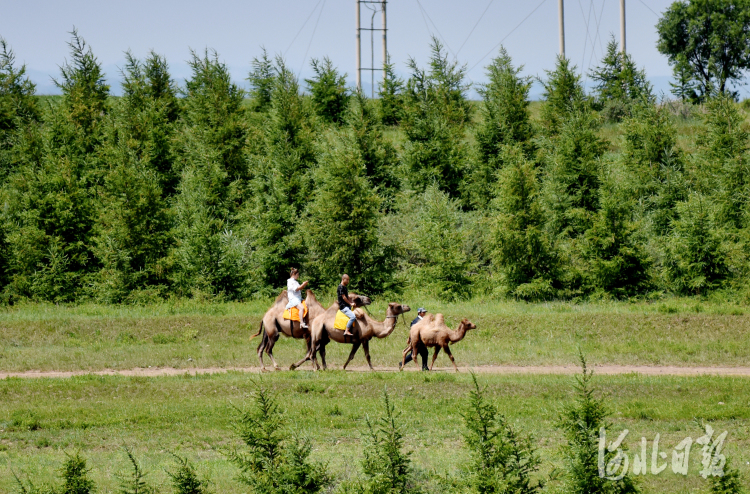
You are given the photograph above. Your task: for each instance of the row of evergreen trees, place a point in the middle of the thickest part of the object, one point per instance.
(504, 460)
(204, 190)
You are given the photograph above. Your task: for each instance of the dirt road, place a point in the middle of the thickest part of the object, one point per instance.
(488, 369)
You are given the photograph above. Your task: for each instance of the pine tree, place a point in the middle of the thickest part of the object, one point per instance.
(282, 183)
(328, 88)
(378, 154)
(581, 422)
(524, 254)
(185, 479)
(571, 187)
(563, 95)
(503, 461)
(261, 82)
(684, 86)
(391, 96)
(74, 474)
(506, 120)
(617, 262)
(341, 229)
(696, 256)
(135, 481)
(619, 83)
(271, 461)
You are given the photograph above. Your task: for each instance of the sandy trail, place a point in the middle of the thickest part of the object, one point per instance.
(666, 370)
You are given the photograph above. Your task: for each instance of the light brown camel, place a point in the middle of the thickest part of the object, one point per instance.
(365, 328)
(433, 332)
(274, 325)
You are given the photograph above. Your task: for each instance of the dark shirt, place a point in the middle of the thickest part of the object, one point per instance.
(342, 290)
(415, 321)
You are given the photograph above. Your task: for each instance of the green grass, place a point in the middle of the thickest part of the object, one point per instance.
(683, 332)
(42, 419)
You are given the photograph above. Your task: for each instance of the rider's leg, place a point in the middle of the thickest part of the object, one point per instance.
(350, 314)
(301, 309)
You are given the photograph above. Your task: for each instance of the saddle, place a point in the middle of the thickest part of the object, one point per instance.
(340, 321)
(293, 313)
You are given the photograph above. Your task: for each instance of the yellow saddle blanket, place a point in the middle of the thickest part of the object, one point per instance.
(293, 313)
(340, 321)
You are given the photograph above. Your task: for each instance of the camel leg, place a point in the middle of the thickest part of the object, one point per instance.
(307, 355)
(366, 348)
(355, 347)
(403, 357)
(434, 357)
(448, 351)
(269, 350)
(323, 356)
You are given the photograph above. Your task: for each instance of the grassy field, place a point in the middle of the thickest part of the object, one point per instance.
(42, 419)
(682, 332)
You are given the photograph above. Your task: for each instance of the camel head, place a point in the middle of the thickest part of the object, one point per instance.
(360, 300)
(468, 324)
(396, 309)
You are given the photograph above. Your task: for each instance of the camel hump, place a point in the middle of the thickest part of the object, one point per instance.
(359, 313)
(281, 296)
(439, 319)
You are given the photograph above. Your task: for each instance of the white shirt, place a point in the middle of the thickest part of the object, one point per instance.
(294, 293)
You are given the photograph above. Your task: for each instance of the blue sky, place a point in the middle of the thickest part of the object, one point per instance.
(38, 30)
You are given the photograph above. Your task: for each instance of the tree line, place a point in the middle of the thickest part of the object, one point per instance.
(206, 190)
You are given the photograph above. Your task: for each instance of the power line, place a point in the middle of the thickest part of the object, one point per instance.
(506, 36)
(473, 28)
(313, 35)
(598, 23)
(436, 28)
(303, 26)
(649, 8)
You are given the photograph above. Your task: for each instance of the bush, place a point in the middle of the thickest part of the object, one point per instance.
(503, 461)
(272, 461)
(185, 479)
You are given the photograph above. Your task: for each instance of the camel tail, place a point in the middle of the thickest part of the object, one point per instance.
(264, 339)
(260, 329)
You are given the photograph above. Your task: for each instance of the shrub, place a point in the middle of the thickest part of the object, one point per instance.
(185, 479)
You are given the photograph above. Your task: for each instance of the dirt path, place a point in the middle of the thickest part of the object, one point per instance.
(487, 369)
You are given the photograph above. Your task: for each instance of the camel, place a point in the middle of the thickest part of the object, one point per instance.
(364, 329)
(274, 325)
(432, 332)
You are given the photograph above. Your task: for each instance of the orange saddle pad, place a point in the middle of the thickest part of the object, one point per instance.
(293, 313)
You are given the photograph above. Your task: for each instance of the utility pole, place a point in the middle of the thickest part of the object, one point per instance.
(622, 26)
(561, 11)
(385, 44)
(359, 53)
(374, 6)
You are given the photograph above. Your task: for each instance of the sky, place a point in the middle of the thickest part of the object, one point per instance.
(298, 30)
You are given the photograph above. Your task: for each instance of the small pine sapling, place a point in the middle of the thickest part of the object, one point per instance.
(185, 479)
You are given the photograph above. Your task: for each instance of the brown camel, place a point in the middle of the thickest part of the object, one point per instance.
(365, 328)
(274, 325)
(432, 332)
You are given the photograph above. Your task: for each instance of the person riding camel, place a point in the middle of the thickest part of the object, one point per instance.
(294, 290)
(345, 304)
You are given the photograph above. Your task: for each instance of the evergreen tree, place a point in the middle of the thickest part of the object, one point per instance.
(503, 461)
(328, 88)
(386, 466)
(696, 256)
(506, 120)
(74, 474)
(341, 229)
(378, 154)
(271, 461)
(135, 481)
(619, 83)
(723, 161)
(563, 95)
(50, 213)
(440, 239)
(685, 85)
(18, 111)
(261, 82)
(185, 479)
(617, 261)
(391, 97)
(581, 422)
(729, 483)
(524, 253)
(282, 183)
(571, 187)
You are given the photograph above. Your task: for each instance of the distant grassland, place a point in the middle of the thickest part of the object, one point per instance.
(41, 419)
(190, 334)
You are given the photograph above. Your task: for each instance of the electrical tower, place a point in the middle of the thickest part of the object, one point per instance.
(374, 6)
